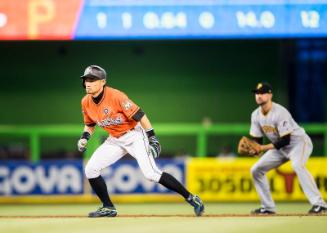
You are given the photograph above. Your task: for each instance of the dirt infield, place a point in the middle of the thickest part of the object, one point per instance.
(163, 216)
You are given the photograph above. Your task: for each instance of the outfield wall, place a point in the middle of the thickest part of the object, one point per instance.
(63, 181)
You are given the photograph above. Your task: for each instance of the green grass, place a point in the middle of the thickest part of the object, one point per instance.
(125, 224)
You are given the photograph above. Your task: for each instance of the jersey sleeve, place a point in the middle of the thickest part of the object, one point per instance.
(86, 118)
(127, 106)
(284, 124)
(255, 129)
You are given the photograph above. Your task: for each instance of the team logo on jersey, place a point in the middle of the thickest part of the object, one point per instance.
(106, 111)
(110, 121)
(269, 129)
(127, 105)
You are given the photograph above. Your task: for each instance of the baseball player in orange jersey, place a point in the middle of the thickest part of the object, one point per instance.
(130, 132)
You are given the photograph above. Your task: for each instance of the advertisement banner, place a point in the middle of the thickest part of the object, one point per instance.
(46, 178)
(125, 177)
(230, 180)
(67, 177)
(212, 179)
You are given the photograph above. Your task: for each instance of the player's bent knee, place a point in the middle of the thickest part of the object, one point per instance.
(91, 172)
(152, 176)
(256, 171)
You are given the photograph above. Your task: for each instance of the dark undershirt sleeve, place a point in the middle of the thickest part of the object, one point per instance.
(283, 141)
(138, 115)
(258, 140)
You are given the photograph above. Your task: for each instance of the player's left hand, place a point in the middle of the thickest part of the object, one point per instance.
(155, 147)
(81, 144)
(248, 146)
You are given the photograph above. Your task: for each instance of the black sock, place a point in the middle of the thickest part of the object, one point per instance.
(171, 183)
(100, 188)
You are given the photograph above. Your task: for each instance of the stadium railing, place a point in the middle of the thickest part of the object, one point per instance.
(201, 131)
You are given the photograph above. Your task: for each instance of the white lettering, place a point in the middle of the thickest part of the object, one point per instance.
(47, 184)
(102, 20)
(127, 178)
(206, 20)
(127, 20)
(23, 180)
(69, 178)
(310, 19)
(4, 181)
(168, 20)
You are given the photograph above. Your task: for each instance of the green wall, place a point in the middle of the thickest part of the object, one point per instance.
(173, 81)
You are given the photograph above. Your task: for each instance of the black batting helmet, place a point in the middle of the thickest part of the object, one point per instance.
(95, 72)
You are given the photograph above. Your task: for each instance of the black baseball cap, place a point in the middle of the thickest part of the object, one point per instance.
(262, 88)
(94, 71)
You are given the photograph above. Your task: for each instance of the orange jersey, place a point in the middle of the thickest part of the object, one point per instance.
(113, 113)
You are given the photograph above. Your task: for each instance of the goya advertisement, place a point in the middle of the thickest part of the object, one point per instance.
(43, 178)
(65, 177)
(125, 177)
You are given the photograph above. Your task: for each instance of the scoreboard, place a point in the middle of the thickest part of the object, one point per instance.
(161, 19)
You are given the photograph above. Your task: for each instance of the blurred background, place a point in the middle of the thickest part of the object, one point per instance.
(189, 64)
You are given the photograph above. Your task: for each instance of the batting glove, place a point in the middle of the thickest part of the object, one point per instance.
(155, 147)
(154, 144)
(82, 142)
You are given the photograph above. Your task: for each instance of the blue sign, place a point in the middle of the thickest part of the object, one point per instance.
(67, 177)
(148, 19)
(125, 176)
(48, 177)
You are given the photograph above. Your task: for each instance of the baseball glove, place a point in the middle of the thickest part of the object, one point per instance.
(247, 146)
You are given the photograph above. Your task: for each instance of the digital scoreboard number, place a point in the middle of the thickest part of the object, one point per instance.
(202, 19)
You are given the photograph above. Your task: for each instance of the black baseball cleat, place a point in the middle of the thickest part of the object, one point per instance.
(262, 211)
(197, 203)
(317, 209)
(103, 212)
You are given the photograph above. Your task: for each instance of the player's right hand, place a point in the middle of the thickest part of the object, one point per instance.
(155, 147)
(81, 144)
